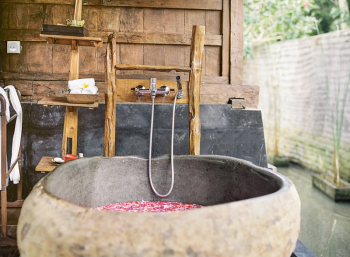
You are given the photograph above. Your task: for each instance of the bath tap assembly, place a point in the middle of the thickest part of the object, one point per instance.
(164, 91)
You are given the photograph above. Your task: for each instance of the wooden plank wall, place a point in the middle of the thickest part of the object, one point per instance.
(42, 69)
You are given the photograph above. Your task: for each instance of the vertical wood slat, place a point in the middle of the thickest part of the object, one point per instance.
(70, 127)
(3, 170)
(236, 42)
(153, 22)
(225, 54)
(4, 212)
(110, 100)
(197, 49)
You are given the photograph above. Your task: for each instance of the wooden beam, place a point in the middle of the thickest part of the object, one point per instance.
(218, 93)
(33, 35)
(110, 117)
(179, 4)
(236, 42)
(3, 171)
(73, 41)
(70, 127)
(62, 101)
(197, 49)
(152, 68)
(15, 204)
(164, 39)
(14, 76)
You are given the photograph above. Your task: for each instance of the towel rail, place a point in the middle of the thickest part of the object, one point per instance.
(4, 175)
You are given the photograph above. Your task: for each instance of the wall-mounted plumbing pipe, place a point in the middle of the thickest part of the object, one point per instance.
(164, 91)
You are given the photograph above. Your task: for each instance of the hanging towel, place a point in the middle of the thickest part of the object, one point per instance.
(16, 142)
(7, 114)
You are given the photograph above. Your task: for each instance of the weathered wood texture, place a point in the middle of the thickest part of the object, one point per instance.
(110, 112)
(46, 164)
(150, 33)
(295, 103)
(179, 4)
(194, 88)
(236, 42)
(71, 40)
(152, 68)
(123, 91)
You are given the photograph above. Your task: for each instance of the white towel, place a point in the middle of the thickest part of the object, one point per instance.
(82, 86)
(2, 92)
(7, 114)
(16, 142)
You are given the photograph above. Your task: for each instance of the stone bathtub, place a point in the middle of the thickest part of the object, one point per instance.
(249, 210)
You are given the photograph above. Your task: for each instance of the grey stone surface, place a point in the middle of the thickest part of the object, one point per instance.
(236, 133)
(249, 211)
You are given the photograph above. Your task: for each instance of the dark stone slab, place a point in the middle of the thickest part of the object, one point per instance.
(237, 133)
(302, 251)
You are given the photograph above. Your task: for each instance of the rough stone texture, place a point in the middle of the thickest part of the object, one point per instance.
(237, 133)
(250, 211)
(293, 77)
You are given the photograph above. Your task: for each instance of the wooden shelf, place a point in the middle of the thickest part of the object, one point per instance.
(68, 40)
(46, 164)
(152, 68)
(62, 101)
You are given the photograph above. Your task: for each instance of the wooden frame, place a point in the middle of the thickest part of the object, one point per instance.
(4, 203)
(195, 80)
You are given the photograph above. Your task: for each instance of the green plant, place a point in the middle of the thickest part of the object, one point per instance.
(330, 247)
(330, 15)
(337, 110)
(323, 162)
(275, 20)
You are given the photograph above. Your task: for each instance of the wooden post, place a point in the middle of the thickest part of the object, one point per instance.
(70, 127)
(236, 42)
(197, 48)
(225, 54)
(110, 99)
(3, 171)
(19, 186)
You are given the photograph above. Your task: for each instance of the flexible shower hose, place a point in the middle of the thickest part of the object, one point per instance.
(171, 154)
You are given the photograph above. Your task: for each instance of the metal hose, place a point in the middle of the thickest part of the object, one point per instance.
(172, 150)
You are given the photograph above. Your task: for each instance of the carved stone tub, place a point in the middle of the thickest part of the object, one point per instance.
(250, 211)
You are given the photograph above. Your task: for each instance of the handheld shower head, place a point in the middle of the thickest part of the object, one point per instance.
(180, 93)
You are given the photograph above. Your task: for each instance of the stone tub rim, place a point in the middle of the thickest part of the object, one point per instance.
(281, 181)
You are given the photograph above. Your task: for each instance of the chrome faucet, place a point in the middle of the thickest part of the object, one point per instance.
(153, 91)
(163, 90)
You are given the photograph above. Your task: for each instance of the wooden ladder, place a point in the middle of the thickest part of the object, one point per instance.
(195, 75)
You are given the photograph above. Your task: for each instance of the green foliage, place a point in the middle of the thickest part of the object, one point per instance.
(329, 15)
(268, 21)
